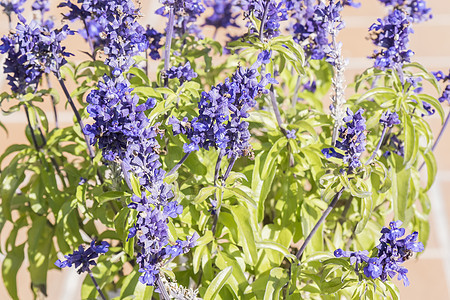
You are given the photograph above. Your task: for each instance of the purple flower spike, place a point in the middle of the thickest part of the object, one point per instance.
(392, 251)
(83, 258)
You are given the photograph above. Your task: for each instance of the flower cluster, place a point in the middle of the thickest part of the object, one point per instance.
(154, 41)
(221, 110)
(33, 50)
(392, 251)
(389, 119)
(183, 73)
(353, 141)
(83, 258)
(105, 22)
(12, 6)
(225, 13)
(392, 34)
(186, 13)
(270, 12)
(313, 24)
(124, 134)
(41, 5)
(440, 76)
(119, 120)
(152, 235)
(417, 9)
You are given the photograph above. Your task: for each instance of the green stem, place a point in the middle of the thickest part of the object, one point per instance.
(322, 218)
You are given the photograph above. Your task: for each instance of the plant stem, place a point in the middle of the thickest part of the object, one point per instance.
(49, 84)
(438, 138)
(77, 115)
(316, 227)
(33, 136)
(162, 288)
(273, 100)
(378, 147)
(216, 210)
(80, 122)
(178, 165)
(297, 88)
(217, 168)
(169, 34)
(96, 285)
(10, 22)
(91, 46)
(263, 21)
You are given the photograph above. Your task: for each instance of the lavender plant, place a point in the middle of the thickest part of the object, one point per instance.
(226, 174)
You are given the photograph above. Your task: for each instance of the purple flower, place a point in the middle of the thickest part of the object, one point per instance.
(186, 13)
(351, 3)
(415, 8)
(353, 140)
(389, 119)
(183, 73)
(290, 134)
(41, 5)
(274, 11)
(220, 123)
(33, 50)
(225, 13)
(440, 76)
(313, 24)
(83, 258)
(154, 39)
(392, 35)
(12, 6)
(392, 251)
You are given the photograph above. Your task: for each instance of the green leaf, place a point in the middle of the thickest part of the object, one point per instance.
(143, 291)
(276, 247)
(240, 194)
(11, 264)
(11, 178)
(400, 188)
(111, 195)
(366, 212)
(205, 193)
(272, 156)
(435, 103)
(411, 142)
(246, 237)
(40, 242)
(430, 161)
(386, 92)
(217, 283)
(277, 280)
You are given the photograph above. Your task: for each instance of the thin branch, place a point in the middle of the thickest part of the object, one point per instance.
(263, 21)
(438, 138)
(380, 142)
(33, 136)
(77, 115)
(91, 46)
(162, 288)
(96, 285)
(49, 84)
(169, 34)
(273, 100)
(316, 227)
(178, 165)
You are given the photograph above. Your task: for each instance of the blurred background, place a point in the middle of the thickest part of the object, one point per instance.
(429, 275)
